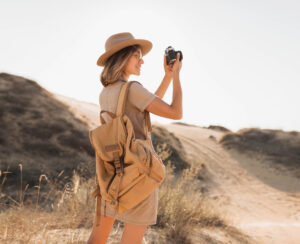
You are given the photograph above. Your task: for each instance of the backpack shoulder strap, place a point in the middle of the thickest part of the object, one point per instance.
(148, 121)
(122, 100)
(122, 97)
(109, 113)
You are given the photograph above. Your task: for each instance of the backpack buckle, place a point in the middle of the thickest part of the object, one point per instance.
(118, 164)
(119, 170)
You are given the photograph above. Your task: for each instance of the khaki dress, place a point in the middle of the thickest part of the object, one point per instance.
(145, 213)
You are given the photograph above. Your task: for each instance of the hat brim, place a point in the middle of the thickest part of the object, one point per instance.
(146, 46)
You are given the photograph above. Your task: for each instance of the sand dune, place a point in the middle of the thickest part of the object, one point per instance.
(267, 209)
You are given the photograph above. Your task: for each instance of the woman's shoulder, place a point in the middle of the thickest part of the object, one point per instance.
(110, 93)
(140, 96)
(138, 87)
(136, 83)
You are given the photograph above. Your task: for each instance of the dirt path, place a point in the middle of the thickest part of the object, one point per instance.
(257, 198)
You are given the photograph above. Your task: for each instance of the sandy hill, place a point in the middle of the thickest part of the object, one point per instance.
(253, 175)
(38, 131)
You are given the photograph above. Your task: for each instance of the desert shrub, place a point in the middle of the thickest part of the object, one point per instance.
(32, 88)
(77, 142)
(164, 141)
(182, 207)
(6, 76)
(35, 114)
(57, 208)
(45, 148)
(42, 129)
(16, 100)
(1, 114)
(278, 146)
(219, 128)
(15, 110)
(184, 124)
(2, 138)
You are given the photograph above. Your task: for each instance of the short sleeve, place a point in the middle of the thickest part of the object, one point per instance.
(140, 96)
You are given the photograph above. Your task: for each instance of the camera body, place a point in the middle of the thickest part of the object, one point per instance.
(171, 54)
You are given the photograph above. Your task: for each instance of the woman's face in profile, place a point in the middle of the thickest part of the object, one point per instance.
(133, 66)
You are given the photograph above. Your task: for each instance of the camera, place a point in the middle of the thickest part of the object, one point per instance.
(171, 54)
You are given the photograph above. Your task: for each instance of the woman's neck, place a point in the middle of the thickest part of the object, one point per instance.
(124, 78)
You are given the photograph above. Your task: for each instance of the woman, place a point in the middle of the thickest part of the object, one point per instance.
(122, 58)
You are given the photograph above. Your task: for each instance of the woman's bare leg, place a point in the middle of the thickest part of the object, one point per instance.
(133, 234)
(100, 233)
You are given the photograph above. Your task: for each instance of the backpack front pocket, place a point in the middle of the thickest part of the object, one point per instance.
(130, 177)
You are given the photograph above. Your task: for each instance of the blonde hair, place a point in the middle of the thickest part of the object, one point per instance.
(115, 65)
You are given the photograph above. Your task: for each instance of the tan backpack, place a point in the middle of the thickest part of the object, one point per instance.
(128, 169)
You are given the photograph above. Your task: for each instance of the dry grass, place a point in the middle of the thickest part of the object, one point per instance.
(182, 207)
(167, 142)
(29, 222)
(66, 216)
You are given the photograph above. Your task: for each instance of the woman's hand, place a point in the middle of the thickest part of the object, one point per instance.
(168, 68)
(176, 67)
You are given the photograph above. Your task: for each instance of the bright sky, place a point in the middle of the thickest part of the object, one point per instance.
(241, 59)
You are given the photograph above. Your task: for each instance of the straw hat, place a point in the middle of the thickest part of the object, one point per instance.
(119, 41)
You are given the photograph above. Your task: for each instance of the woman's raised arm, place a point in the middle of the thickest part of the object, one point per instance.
(174, 110)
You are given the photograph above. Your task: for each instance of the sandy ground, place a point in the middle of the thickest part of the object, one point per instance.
(256, 196)
(80, 236)
(261, 200)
